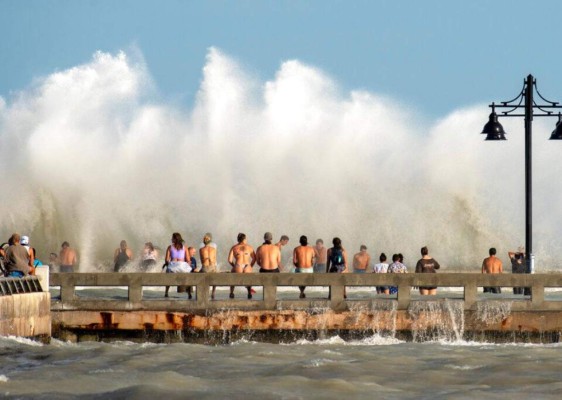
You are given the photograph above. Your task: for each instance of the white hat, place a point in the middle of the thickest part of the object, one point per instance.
(24, 241)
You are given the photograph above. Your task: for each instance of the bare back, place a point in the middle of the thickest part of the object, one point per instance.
(268, 256)
(492, 265)
(242, 255)
(361, 260)
(321, 254)
(67, 256)
(208, 255)
(303, 256)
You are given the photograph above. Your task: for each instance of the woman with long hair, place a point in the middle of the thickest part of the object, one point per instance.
(177, 258)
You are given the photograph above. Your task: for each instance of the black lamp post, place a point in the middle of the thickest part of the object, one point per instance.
(494, 131)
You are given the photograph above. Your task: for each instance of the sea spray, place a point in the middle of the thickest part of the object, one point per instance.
(492, 311)
(437, 320)
(90, 156)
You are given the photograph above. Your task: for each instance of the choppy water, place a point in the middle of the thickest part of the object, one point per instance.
(332, 369)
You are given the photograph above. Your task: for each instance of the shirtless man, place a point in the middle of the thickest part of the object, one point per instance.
(303, 260)
(320, 256)
(361, 260)
(208, 256)
(242, 258)
(67, 258)
(268, 255)
(492, 265)
(282, 243)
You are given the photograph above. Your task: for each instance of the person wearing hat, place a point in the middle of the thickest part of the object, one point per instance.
(268, 255)
(31, 250)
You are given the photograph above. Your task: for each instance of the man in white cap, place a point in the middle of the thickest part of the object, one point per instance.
(24, 241)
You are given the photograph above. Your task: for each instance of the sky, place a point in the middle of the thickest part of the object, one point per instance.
(432, 56)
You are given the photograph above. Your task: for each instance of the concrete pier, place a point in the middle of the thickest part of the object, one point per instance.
(24, 309)
(460, 308)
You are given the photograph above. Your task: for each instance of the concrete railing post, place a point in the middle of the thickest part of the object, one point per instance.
(404, 298)
(203, 292)
(67, 288)
(42, 274)
(470, 295)
(537, 294)
(135, 290)
(270, 294)
(336, 294)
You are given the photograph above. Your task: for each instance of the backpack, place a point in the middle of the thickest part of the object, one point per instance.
(336, 256)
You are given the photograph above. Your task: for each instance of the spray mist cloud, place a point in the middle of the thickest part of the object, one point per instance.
(89, 156)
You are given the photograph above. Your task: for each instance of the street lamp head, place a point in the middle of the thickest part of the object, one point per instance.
(557, 132)
(493, 128)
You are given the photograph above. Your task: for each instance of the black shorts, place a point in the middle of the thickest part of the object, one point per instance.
(268, 271)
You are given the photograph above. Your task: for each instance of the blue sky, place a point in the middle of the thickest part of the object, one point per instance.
(435, 56)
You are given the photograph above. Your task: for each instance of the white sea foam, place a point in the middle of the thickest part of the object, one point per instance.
(3, 378)
(376, 340)
(463, 367)
(20, 340)
(88, 155)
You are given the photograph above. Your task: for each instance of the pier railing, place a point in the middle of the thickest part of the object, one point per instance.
(11, 286)
(466, 286)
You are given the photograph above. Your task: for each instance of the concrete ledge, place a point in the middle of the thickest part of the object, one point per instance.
(405, 324)
(26, 315)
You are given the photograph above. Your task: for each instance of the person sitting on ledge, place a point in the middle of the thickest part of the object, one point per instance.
(268, 255)
(177, 258)
(208, 256)
(19, 261)
(303, 260)
(242, 258)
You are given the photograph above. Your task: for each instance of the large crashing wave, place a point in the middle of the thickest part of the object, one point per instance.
(89, 156)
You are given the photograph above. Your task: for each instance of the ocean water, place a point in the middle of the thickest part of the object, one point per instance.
(375, 367)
